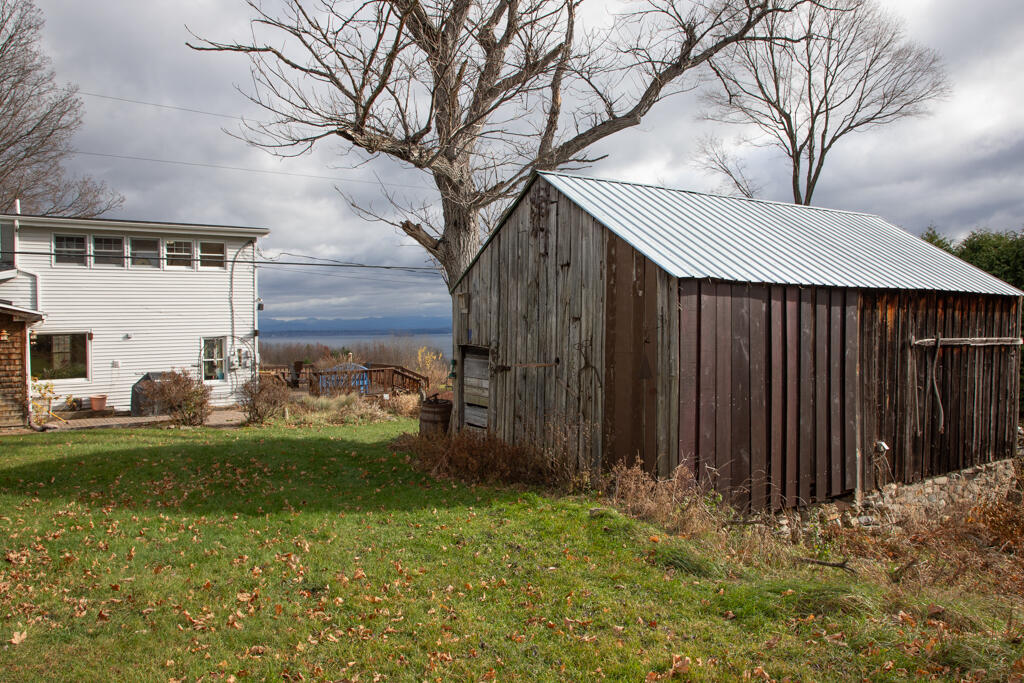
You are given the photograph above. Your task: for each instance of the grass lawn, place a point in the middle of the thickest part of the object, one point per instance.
(317, 553)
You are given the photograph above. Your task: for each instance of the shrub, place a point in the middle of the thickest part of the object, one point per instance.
(405, 405)
(185, 398)
(264, 397)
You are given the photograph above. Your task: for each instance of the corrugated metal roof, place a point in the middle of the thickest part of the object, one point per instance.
(695, 235)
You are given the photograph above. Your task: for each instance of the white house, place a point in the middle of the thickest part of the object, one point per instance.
(94, 304)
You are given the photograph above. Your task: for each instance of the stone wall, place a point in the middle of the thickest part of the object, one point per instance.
(896, 504)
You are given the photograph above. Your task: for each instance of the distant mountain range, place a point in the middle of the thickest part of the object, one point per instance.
(413, 324)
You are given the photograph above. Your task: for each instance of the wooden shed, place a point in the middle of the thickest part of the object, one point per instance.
(786, 354)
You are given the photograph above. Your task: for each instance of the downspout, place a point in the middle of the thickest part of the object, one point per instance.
(28, 342)
(231, 301)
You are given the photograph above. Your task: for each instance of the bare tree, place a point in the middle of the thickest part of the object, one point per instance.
(475, 93)
(831, 71)
(713, 156)
(37, 121)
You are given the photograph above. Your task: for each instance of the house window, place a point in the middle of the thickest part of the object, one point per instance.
(178, 253)
(60, 356)
(145, 253)
(69, 249)
(213, 358)
(211, 254)
(6, 247)
(108, 251)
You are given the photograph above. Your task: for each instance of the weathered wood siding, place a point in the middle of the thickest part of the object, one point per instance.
(977, 386)
(13, 386)
(641, 416)
(535, 299)
(768, 391)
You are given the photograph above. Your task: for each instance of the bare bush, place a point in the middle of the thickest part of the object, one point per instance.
(677, 503)
(263, 397)
(405, 405)
(185, 398)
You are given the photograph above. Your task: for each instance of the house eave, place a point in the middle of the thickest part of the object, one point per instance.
(112, 225)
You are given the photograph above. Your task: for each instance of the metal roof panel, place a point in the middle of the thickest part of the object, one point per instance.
(696, 235)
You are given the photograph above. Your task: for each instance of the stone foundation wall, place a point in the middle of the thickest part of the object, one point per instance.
(896, 504)
(967, 488)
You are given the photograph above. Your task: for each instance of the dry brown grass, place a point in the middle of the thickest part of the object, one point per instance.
(483, 457)
(403, 405)
(677, 503)
(334, 410)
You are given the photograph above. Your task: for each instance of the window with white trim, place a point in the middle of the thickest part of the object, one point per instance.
(60, 356)
(214, 361)
(108, 251)
(145, 252)
(211, 254)
(69, 250)
(178, 253)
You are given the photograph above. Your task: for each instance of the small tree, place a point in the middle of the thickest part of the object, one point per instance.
(829, 70)
(37, 121)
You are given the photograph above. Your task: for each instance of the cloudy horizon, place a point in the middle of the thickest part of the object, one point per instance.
(957, 169)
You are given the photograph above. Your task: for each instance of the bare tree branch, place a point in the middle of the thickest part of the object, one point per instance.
(476, 93)
(823, 72)
(716, 159)
(37, 121)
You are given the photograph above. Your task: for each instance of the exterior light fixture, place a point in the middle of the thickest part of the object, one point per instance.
(452, 375)
(4, 336)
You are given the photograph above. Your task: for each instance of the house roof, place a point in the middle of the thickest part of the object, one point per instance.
(19, 313)
(696, 235)
(94, 224)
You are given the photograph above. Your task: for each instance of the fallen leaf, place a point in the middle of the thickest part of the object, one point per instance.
(18, 637)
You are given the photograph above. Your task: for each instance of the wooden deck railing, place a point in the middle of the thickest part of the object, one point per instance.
(378, 379)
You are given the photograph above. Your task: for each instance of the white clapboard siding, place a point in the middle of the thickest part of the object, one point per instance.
(142, 320)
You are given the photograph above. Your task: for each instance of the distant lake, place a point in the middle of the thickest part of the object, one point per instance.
(440, 341)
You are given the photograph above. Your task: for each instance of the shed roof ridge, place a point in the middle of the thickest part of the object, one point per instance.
(711, 194)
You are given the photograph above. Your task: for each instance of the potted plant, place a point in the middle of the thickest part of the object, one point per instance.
(98, 402)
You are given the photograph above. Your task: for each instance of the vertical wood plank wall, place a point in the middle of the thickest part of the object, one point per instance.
(978, 385)
(768, 391)
(641, 361)
(536, 296)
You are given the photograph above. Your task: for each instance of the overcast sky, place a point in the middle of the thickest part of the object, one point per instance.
(958, 169)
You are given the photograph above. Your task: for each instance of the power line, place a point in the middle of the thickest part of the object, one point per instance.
(247, 170)
(343, 277)
(258, 262)
(155, 104)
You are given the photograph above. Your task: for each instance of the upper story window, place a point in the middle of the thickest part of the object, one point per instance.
(69, 250)
(145, 252)
(108, 251)
(178, 253)
(211, 254)
(6, 247)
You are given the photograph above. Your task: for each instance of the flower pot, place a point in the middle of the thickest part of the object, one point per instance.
(98, 402)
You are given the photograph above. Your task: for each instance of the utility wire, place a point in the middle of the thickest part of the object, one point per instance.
(154, 104)
(247, 170)
(343, 277)
(258, 262)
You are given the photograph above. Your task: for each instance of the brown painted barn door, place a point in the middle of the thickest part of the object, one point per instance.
(476, 376)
